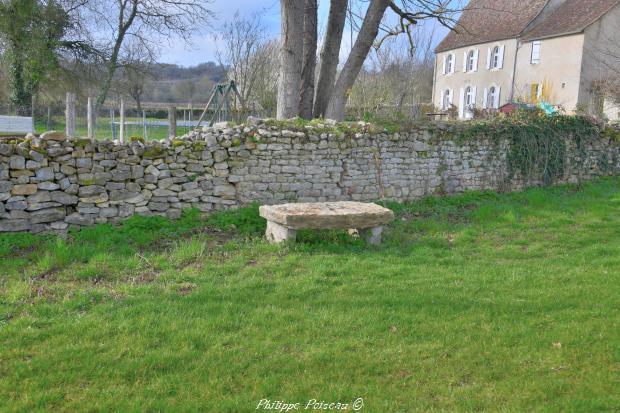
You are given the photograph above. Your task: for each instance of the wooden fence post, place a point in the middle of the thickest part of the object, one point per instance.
(122, 121)
(70, 115)
(172, 122)
(90, 119)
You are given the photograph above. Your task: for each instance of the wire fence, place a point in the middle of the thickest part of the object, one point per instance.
(151, 121)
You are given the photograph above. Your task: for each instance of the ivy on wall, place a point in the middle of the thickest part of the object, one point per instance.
(537, 143)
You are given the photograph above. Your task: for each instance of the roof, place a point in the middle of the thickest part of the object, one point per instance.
(573, 16)
(486, 21)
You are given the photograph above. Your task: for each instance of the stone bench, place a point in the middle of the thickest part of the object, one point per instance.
(284, 220)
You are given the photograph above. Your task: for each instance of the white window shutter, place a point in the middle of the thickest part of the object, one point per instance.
(453, 66)
(489, 59)
(474, 90)
(451, 97)
(498, 94)
(442, 106)
(462, 104)
(464, 62)
(501, 57)
(444, 65)
(485, 97)
(476, 60)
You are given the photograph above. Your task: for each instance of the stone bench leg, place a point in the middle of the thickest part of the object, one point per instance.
(277, 233)
(371, 235)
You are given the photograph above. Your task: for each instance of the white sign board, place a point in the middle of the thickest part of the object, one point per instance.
(16, 124)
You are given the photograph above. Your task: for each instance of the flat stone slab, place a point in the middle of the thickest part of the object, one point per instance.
(327, 215)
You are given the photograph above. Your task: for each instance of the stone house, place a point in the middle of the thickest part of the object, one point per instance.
(556, 51)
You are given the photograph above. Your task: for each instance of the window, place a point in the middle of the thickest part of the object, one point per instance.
(447, 99)
(469, 97)
(449, 64)
(471, 61)
(536, 92)
(491, 97)
(495, 57)
(536, 52)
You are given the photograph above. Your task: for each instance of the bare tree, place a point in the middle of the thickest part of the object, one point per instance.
(136, 71)
(240, 49)
(309, 58)
(408, 13)
(329, 55)
(395, 79)
(289, 82)
(265, 90)
(365, 38)
(146, 22)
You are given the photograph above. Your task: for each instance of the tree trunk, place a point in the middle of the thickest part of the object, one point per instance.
(123, 27)
(366, 36)
(289, 82)
(329, 55)
(111, 69)
(309, 59)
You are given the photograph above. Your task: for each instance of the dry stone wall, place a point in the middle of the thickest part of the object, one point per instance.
(51, 183)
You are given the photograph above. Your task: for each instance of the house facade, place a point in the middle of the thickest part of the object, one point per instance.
(556, 51)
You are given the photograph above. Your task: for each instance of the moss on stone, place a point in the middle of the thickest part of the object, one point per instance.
(154, 152)
(81, 142)
(199, 146)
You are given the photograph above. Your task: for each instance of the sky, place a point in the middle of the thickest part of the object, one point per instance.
(204, 47)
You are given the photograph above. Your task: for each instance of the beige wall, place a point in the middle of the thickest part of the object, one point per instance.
(568, 66)
(481, 78)
(601, 60)
(559, 70)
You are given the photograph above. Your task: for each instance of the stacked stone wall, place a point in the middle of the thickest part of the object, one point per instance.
(50, 183)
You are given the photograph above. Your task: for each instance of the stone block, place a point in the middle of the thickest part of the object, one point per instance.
(48, 215)
(27, 189)
(17, 162)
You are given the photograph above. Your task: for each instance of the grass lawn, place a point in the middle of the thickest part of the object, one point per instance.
(481, 302)
(103, 128)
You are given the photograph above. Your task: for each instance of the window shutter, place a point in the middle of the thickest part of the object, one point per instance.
(485, 96)
(489, 58)
(501, 57)
(441, 106)
(451, 97)
(464, 62)
(453, 66)
(462, 104)
(444, 65)
(498, 94)
(473, 95)
(476, 60)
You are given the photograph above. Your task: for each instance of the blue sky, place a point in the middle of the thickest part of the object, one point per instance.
(203, 47)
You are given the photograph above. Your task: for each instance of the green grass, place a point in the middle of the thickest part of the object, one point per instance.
(481, 302)
(103, 129)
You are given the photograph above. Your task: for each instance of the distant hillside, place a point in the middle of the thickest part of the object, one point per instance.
(183, 85)
(211, 70)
